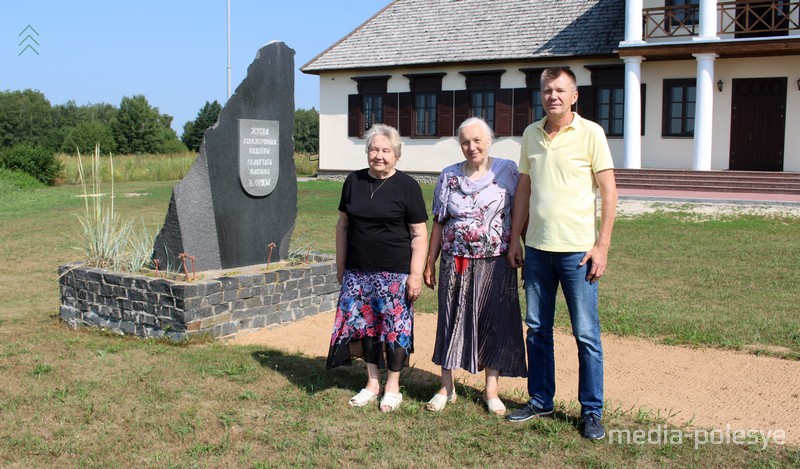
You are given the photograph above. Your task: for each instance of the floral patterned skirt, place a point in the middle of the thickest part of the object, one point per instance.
(374, 321)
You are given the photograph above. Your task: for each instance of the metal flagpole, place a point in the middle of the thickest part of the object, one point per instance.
(229, 49)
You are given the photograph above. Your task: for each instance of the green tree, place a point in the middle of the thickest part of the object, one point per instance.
(137, 127)
(86, 135)
(306, 131)
(193, 130)
(25, 117)
(102, 112)
(170, 142)
(188, 129)
(66, 115)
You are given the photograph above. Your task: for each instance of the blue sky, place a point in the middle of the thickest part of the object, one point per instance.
(173, 51)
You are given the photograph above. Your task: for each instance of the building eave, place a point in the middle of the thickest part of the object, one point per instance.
(466, 63)
(723, 48)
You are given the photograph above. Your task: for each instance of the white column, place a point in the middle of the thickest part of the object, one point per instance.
(633, 113)
(708, 21)
(633, 22)
(704, 110)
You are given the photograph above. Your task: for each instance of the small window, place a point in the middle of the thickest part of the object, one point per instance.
(611, 109)
(683, 14)
(679, 108)
(484, 98)
(604, 101)
(425, 114)
(373, 110)
(426, 111)
(537, 110)
(371, 105)
(482, 105)
(528, 101)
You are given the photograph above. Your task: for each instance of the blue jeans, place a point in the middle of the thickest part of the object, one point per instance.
(543, 272)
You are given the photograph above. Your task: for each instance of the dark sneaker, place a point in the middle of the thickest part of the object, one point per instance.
(527, 412)
(592, 428)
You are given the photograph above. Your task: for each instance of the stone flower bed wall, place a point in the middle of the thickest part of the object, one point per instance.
(158, 307)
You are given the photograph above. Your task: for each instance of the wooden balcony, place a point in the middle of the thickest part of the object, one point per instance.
(737, 19)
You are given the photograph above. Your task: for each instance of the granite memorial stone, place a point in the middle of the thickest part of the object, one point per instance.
(238, 204)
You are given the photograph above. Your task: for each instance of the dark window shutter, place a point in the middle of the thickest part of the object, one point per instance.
(522, 110)
(586, 102)
(665, 109)
(444, 113)
(390, 109)
(644, 95)
(354, 126)
(406, 123)
(461, 112)
(503, 113)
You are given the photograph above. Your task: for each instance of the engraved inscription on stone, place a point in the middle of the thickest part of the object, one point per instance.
(258, 156)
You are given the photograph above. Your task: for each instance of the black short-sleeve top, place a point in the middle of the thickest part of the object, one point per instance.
(378, 214)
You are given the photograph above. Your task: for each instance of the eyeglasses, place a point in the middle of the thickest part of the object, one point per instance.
(385, 151)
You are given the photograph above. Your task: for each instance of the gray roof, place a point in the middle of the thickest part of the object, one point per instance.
(430, 32)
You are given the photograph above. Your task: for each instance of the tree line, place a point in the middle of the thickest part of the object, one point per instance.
(28, 118)
(132, 127)
(32, 130)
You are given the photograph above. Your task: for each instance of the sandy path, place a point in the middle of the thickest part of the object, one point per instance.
(707, 387)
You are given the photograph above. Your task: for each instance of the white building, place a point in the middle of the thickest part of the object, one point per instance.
(680, 84)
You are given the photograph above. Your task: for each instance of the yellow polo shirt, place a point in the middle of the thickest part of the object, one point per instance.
(563, 205)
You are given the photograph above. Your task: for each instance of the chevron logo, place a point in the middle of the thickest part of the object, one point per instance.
(28, 40)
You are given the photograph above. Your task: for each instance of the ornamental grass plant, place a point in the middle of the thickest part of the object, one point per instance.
(106, 239)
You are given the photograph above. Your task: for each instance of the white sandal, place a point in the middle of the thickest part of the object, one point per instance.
(391, 401)
(439, 401)
(363, 398)
(495, 406)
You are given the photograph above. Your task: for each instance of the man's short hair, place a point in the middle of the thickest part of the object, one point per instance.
(552, 73)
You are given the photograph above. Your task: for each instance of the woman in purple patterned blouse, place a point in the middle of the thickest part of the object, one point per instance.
(480, 323)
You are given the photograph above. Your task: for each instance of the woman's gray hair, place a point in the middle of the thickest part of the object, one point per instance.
(387, 131)
(477, 120)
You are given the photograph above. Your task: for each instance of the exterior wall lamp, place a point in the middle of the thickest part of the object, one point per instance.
(719, 85)
(798, 84)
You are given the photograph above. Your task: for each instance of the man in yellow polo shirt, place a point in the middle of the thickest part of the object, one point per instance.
(564, 160)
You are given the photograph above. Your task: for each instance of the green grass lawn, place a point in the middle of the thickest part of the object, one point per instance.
(92, 399)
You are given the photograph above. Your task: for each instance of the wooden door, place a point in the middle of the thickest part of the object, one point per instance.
(758, 122)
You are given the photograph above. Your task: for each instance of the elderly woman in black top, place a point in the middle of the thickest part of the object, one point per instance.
(381, 239)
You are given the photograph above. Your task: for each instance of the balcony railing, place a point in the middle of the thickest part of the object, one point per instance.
(743, 19)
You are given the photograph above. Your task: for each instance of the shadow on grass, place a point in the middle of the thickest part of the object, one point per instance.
(309, 374)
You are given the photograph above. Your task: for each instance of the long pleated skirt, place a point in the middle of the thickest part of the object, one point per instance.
(480, 323)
